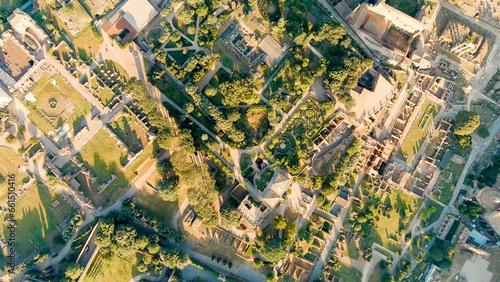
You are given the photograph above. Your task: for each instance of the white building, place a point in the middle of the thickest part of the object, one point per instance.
(5, 98)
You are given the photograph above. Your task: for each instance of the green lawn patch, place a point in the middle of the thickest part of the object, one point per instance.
(113, 268)
(36, 219)
(488, 111)
(148, 200)
(105, 95)
(57, 103)
(348, 274)
(102, 155)
(452, 230)
(433, 216)
(226, 56)
(10, 164)
(86, 43)
(219, 77)
(181, 56)
(387, 229)
(130, 131)
(410, 8)
(418, 131)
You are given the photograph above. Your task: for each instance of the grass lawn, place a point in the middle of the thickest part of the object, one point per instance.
(76, 14)
(86, 43)
(219, 77)
(113, 269)
(182, 27)
(180, 57)
(408, 7)
(147, 199)
(105, 95)
(120, 185)
(418, 273)
(36, 221)
(348, 274)
(226, 55)
(445, 188)
(386, 231)
(130, 131)
(433, 216)
(102, 155)
(8, 6)
(418, 131)
(488, 111)
(257, 122)
(354, 248)
(57, 103)
(10, 164)
(376, 274)
(491, 84)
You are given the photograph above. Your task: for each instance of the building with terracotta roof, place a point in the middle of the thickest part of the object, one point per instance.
(128, 19)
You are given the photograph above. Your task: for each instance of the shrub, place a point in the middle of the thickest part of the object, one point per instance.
(10, 139)
(258, 262)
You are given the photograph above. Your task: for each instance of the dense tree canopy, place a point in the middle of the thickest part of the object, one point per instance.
(238, 90)
(173, 258)
(273, 250)
(466, 122)
(229, 217)
(469, 209)
(73, 271)
(279, 222)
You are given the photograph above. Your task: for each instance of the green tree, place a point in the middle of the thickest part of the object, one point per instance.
(466, 122)
(211, 91)
(273, 250)
(317, 181)
(270, 277)
(211, 19)
(464, 141)
(230, 217)
(388, 277)
(175, 36)
(153, 248)
(73, 271)
(173, 258)
(354, 147)
(436, 254)
(237, 91)
(34, 140)
(279, 222)
(445, 264)
(483, 131)
(142, 267)
(168, 189)
(165, 139)
(202, 11)
(10, 139)
(258, 262)
(469, 209)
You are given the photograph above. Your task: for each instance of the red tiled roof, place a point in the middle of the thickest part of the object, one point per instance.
(115, 30)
